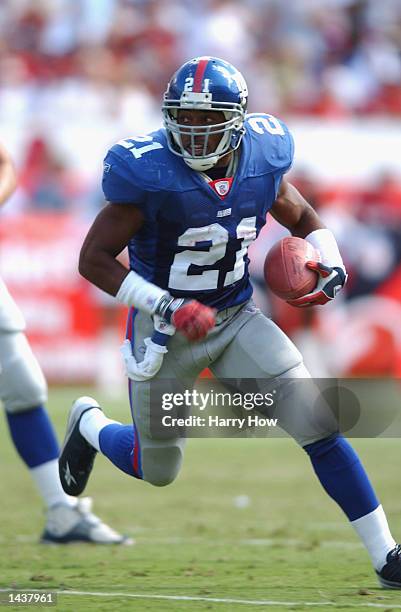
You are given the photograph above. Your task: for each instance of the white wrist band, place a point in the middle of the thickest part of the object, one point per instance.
(136, 291)
(323, 240)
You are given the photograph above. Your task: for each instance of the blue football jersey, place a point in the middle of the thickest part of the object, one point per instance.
(194, 243)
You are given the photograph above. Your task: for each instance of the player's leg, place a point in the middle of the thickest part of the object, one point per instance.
(23, 391)
(135, 449)
(261, 350)
(90, 431)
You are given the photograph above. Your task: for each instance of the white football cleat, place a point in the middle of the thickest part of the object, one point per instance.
(67, 524)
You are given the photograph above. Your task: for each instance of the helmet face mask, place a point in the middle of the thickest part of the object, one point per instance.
(205, 84)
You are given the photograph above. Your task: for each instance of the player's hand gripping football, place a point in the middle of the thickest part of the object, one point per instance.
(330, 282)
(193, 319)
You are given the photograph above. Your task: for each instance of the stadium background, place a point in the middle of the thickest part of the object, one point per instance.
(77, 76)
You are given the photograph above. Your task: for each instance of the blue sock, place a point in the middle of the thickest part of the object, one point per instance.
(120, 443)
(342, 475)
(33, 436)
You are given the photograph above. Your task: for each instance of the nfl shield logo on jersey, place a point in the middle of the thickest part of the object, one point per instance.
(222, 187)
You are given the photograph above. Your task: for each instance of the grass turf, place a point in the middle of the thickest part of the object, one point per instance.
(245, 520)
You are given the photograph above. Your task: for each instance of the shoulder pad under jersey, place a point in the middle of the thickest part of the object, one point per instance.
(137, 165)
(271, 144)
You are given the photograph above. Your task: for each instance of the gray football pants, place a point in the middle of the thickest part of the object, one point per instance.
(22, 384)
(244, 344)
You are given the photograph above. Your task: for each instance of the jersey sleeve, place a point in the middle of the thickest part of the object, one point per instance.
(119, 184)
(273, 144)
(279, 150)
(278, 144)
(285, 157)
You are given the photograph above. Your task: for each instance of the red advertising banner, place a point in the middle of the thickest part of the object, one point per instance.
(39, 264)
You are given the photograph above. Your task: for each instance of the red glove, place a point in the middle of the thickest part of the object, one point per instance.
(193, 319)
(190, 317)
(331, 281)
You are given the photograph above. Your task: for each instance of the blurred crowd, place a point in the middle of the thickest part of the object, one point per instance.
(77, 76)
(325, 57)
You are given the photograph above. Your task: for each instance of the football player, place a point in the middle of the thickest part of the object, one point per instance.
(187, 200)
(24, 393)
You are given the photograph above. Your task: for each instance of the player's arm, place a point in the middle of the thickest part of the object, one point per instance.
(8, 178)
(293, 212)
(110, 233)
(297, 215)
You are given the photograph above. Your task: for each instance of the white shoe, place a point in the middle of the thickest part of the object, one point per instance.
(77, 524)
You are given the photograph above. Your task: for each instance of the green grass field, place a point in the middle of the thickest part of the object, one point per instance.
(290, 547)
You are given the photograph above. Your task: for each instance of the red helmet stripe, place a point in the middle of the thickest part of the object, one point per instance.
(198, 76)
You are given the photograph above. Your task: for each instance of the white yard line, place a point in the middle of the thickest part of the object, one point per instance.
(246, 602)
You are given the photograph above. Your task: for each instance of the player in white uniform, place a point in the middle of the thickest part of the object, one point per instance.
(23, 392)
(187, 200)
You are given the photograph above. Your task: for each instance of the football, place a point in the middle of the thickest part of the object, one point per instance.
(285, 268)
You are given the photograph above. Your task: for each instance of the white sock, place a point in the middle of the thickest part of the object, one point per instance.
(90, 425)
(374, 532)
(47, 480)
